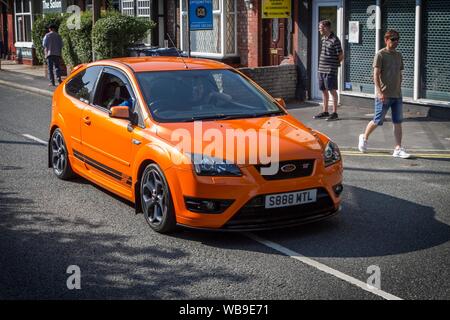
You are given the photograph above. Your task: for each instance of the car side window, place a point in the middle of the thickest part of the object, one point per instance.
(82, 85)
(111, 91)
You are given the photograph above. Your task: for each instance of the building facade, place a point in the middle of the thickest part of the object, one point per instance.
(361, 24)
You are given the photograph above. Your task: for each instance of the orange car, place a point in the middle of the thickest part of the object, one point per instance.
(192, 142)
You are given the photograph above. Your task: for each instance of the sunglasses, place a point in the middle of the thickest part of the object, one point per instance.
(394, 39)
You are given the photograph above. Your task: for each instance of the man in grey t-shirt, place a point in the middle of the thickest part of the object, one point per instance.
(387, 76)
(53, 44)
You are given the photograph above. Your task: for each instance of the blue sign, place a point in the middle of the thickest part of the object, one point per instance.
(200, 15)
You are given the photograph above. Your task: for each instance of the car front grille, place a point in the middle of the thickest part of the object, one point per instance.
(253, 215)
(303, 168)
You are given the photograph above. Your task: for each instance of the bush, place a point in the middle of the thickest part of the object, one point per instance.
(77, 42)
(40, 28)
(113, 34)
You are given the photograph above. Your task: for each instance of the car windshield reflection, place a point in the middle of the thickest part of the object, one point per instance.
(190, 95)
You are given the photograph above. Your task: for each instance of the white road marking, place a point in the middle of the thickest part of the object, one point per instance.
(323, 267)
(29, 136)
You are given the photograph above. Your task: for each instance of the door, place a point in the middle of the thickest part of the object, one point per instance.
(107, 142)
(324, 10)
(274, 41)
(79, 91)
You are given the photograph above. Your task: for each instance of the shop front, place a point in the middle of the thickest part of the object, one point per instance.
(422, 26)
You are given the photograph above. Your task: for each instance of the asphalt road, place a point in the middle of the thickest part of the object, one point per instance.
(395, 216)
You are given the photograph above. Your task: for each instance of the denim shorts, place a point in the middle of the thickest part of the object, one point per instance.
(327, 81)
(396, 106)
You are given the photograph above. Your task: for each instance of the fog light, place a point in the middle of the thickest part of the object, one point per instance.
(207, 205)
(338, 189)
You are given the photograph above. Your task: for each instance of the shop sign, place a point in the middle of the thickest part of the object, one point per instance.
(276, 9)
(49, 6)
(200, 15)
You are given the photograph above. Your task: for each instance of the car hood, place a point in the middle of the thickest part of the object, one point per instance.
(295, 140)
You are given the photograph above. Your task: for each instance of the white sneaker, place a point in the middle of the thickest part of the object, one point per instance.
(401, 153)
(362, 144)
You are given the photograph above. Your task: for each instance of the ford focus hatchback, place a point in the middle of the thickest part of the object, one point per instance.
(194, 143)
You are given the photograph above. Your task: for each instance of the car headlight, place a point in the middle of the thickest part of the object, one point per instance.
(331, 154)
(210, 166)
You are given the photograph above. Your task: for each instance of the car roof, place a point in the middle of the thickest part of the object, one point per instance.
(142, 64)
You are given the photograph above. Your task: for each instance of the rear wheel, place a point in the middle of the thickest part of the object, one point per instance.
(156, 200)
(60, 156)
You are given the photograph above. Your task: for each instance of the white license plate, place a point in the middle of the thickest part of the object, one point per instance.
(290, 198)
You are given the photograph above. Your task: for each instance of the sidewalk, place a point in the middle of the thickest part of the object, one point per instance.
(421, 134)
(25, 77)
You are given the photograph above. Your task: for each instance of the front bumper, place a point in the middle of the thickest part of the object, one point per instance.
(242, 214)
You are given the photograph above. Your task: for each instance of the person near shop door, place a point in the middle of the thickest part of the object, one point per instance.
(53, 44)
(331, 56)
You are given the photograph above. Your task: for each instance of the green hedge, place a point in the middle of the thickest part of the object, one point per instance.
(40, 28)
(112, 35)
(77, 42)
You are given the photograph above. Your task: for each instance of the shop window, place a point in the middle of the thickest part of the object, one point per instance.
(23, 19)
(219, 42)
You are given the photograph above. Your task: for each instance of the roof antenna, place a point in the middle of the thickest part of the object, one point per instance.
(179, 55)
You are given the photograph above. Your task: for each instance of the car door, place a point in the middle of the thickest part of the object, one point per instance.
(107, 141)
(78, 91)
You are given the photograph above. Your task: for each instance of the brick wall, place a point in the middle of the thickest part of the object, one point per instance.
(279, 81)
(249, 34)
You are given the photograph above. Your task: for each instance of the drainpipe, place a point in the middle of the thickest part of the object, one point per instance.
(417, 47)
(378, 26)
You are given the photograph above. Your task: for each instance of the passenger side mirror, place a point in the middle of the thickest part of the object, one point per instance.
(120, 112)
(281, 101)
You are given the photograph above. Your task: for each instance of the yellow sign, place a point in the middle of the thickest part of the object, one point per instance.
(276, 9)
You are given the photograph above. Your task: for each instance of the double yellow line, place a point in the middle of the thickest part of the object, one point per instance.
(388, 154)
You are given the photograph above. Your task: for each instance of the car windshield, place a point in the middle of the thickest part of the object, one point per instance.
(189, 95)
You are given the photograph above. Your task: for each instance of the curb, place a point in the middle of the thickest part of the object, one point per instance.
(42, 92)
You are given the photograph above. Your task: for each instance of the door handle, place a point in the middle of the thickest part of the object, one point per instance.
(136, 142)
(87, 120)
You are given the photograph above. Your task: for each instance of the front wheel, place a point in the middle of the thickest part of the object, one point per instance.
(60, 156)
(156, 200)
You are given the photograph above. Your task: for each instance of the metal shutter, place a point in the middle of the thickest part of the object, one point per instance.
(359, 56)
(435, 50)
(401, 16)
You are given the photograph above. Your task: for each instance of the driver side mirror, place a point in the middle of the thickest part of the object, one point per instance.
(281, 102)
(120, 112)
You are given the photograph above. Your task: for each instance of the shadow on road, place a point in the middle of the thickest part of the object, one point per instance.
(36, 249)
(370, 224)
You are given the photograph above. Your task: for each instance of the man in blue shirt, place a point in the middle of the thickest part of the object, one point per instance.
(53, 44)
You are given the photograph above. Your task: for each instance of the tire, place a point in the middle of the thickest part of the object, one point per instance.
(156, 200)
(59, 156)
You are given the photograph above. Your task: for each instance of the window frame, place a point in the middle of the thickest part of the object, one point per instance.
(94, 88)
(136, 108)
(222, 12)
(19, 12)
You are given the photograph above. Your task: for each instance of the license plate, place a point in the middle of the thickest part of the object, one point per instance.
(290, 198)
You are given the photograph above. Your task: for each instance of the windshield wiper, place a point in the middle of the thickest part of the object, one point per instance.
(266, 114)
(222, 116)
